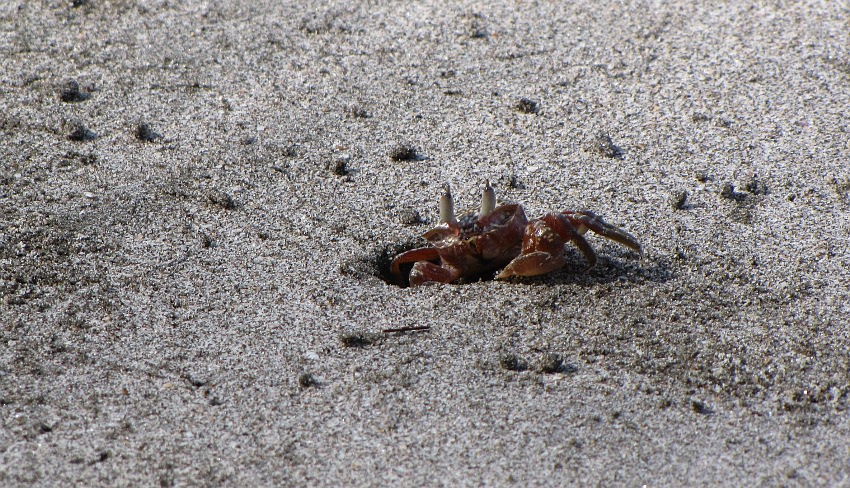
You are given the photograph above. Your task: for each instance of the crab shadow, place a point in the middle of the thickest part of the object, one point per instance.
(613, 265)
(607, 270)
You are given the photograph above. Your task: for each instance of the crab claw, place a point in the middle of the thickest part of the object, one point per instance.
(585, 219)
(423, 254)
(427, 272)
(543, 247)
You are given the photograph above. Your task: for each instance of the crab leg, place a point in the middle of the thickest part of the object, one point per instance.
(586, 219)
(562, 225)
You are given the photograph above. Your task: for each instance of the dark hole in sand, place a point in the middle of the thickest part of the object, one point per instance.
(385, 258)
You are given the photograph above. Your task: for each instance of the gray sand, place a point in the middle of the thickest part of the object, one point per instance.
(193, 239)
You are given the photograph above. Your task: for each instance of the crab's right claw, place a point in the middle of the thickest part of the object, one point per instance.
(428, 272)
(426, 254)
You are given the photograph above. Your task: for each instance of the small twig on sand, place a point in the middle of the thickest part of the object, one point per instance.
(412, 328)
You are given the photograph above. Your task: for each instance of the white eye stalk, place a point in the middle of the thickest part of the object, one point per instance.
(488, 200)
(447, 207)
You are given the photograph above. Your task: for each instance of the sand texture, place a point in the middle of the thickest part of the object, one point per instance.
(199, 201)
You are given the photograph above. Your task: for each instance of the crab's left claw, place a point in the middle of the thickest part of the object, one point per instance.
(544, 240)
(543, 247)
(532, 264)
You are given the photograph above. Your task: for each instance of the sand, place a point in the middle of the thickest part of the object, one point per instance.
(198, 202)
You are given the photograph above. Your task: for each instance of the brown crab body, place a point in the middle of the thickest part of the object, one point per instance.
(500, 238)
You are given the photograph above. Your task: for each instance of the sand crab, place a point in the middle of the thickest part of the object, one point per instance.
(500, 238)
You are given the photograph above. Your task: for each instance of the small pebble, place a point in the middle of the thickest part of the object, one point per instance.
(512, 362)
(551, 363)
(679, 199)
(145, 133)
(77, 132)
(404, 152)
(605, 147)
(307, 380)
(70, 92)
(527, 106)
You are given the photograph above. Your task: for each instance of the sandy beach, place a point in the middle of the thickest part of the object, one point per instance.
(199, 201)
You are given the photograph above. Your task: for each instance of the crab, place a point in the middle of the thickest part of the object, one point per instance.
(501, 240)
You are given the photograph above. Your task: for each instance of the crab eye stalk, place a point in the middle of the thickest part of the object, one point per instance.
(488, 200)
(447, 207)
